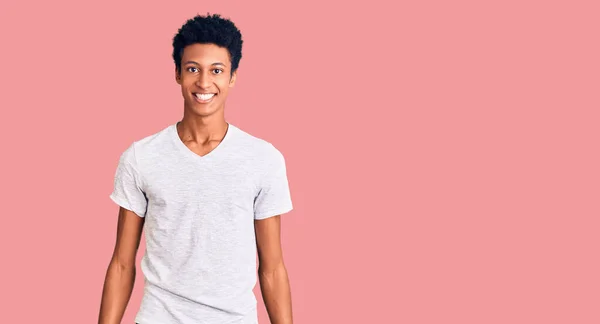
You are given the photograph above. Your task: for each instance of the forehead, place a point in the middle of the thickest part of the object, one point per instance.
(205, 54)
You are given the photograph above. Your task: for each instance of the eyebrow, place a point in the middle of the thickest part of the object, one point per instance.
(216, 63)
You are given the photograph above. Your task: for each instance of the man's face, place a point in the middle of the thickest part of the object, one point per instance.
(205, 78)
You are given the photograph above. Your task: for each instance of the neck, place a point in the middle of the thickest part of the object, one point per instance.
(202, 129)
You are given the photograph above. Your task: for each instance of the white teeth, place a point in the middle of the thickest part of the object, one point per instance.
(203, 96)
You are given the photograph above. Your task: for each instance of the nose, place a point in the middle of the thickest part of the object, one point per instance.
(204, 80)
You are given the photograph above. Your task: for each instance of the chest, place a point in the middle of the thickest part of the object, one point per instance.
(210, 189)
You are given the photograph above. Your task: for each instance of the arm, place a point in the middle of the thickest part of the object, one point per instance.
(120, 275)
(274, 282)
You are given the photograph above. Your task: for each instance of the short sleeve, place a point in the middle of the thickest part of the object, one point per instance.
(274, 196)
(128, 189)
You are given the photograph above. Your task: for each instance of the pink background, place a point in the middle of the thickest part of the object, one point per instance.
(443, 156)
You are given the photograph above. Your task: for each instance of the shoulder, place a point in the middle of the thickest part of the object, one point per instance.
(258, 148)
(144, 147)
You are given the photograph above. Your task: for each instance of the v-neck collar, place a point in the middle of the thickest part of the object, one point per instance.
(213, 153)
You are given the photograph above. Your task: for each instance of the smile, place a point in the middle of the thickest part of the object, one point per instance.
(204, 97)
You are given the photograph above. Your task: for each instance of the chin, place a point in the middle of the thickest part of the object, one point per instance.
(202, 110)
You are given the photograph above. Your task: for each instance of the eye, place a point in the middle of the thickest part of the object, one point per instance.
(190, 68)
(219, 71)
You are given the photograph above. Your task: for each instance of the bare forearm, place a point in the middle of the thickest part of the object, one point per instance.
(118, 286)
(276, 292)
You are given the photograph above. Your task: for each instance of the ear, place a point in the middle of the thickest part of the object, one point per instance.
(232, 80)
(177, 76)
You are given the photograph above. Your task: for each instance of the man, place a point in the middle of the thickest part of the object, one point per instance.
(209, 197)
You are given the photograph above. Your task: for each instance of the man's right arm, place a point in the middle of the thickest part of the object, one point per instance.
(120, 275)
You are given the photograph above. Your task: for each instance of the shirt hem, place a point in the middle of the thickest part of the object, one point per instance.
(123, 203)
(274, 212)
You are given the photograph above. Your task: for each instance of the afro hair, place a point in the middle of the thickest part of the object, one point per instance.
(209, 29)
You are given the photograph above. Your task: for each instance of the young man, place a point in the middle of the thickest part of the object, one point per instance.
(209, 197)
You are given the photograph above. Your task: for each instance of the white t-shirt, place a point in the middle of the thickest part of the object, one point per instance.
(200, 259)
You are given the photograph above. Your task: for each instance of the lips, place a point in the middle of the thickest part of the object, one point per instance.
(204, 97)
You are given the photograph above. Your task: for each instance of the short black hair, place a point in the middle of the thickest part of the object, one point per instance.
(209, 29)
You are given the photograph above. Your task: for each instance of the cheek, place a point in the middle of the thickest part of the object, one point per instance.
(186, 84)
(223, 92)
(224, 86)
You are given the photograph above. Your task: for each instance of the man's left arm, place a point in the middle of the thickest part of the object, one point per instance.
(272, 274)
